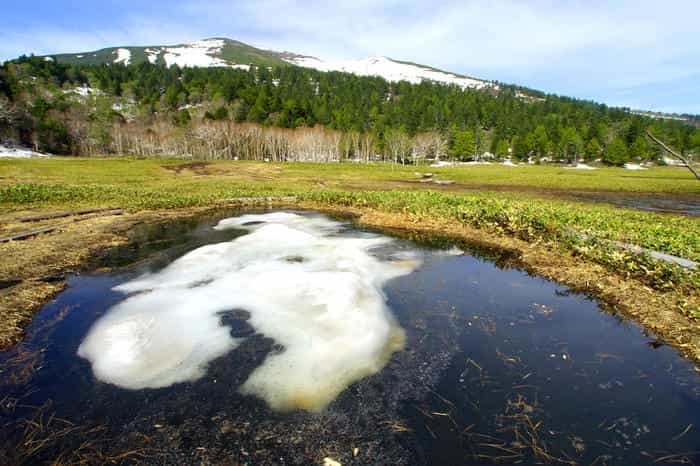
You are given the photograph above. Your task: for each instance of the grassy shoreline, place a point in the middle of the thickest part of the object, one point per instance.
(663, 297)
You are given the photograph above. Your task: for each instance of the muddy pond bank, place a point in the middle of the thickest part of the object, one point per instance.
(497, 364)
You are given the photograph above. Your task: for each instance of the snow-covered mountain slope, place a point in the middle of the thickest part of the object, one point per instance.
(389, 69)
(230, 53)
(202, 53)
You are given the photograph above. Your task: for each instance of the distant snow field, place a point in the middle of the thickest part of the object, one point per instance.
(19, 152)
(388, 69)
(581, 166)
(196, 54)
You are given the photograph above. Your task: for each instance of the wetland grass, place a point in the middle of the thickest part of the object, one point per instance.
(576, 235)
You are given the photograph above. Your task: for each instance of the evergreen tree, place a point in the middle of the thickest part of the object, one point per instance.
(541, 140)
(593, 149)
(640, 148)
(616, 152)
(501, 149)
(464, 145)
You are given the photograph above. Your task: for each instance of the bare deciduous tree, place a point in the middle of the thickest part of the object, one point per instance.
(399, 144)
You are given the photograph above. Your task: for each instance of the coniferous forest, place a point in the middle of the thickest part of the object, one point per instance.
(291, 113)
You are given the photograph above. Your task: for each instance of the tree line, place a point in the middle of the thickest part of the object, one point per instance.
(149, 109)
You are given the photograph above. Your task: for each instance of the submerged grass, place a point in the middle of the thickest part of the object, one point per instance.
(44, 438)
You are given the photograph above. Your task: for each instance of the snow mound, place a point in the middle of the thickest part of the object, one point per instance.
(634, 166)
(474, 162)
(581, 166)
(673, 162)
(19, 153)
(390, 70)
(442, 163)
(312, 288)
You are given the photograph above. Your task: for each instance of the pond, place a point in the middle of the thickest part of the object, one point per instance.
(290, 337)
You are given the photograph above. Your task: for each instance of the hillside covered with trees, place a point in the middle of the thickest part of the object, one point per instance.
(291, 113)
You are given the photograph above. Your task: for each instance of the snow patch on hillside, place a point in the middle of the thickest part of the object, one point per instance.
(152, 55)
(83, 91)
(196, 54)
(202, 53)
(123, 56)
(390, 70)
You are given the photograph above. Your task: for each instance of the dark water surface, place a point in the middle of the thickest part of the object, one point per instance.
(498, 366)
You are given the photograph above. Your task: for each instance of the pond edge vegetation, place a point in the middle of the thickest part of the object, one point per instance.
(663, 298)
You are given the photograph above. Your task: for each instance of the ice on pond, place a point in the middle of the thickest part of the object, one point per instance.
(315, 291)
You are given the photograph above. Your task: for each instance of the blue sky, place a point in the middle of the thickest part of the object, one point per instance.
(641, 54)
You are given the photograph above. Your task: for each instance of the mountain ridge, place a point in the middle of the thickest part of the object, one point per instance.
(225, 52)
(232, 53)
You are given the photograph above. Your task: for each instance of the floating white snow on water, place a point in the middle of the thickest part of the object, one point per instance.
(314, 289)
(390, 70)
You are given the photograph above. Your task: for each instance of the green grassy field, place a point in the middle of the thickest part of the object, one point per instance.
(158, 184)
(129, 171)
